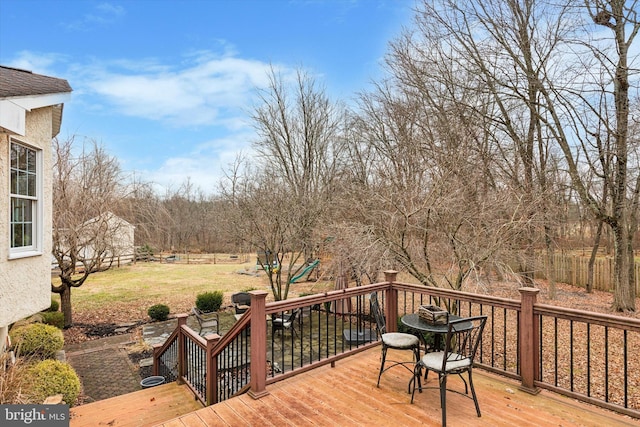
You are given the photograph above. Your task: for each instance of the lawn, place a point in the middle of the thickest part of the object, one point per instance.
(123, 295)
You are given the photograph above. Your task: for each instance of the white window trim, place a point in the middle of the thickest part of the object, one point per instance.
(38, 233)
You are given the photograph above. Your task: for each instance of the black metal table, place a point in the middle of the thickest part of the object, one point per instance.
(420, 327)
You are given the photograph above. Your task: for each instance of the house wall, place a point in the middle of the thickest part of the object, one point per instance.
(25, 283)
(120, 239)
(123, 237)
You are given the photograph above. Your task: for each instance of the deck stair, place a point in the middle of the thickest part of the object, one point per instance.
(146, 407)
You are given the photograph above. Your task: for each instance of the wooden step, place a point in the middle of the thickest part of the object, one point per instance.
(145, 407)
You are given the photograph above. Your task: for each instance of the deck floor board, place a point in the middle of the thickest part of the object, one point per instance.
(347, 395)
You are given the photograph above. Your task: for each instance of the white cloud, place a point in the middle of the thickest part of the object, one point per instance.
(204, 164)
(209, 91)
(39, 63)
(206, 94)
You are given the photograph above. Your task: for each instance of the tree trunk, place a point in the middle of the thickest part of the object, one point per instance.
(624, 294)
(592, 259)
(551, 271)
(65, 305)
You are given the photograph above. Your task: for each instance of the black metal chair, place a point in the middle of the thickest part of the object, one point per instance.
(241, 301)
(284, 322)
(207, 320)
(460, 347)
(393, 340)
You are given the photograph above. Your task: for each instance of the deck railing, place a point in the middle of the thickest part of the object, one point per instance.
(589, 356)
(583, 355)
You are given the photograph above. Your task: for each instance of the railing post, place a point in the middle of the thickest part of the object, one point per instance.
(212, 370)
(529, 340)
(155, 370)
(182, 351)
(391, 301)
(258, 341)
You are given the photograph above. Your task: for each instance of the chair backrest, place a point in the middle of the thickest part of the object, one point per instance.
(284, 321)
(463, 338)
(294, 314)
(241, 298)
(377, 313)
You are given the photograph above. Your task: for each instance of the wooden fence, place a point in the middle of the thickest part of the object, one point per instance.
(573, 270)
(179, 258)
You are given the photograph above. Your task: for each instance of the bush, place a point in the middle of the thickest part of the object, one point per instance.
(55, 305)
(53, 318)
(158, 312)
(209, 301)
(51, 377)
(37, 339)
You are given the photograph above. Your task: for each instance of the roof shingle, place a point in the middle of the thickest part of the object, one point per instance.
(16, 82)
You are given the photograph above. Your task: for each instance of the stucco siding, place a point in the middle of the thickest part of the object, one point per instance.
(25, 283)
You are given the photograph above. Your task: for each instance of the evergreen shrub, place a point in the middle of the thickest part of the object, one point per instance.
(158, 312)
(51, 377)
(37, 339)
(209, 301)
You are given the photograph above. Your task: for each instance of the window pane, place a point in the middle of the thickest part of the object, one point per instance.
(22, 183)
(14, 156)
(27, 235)
(22, 158)
(31, 190)
(17, 210)
(28, 212)
(14, 182)
(31, 161)
(16, 235)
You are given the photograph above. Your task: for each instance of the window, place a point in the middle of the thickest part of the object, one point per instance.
(25, 196)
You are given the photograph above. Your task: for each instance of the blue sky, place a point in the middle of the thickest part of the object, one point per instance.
(167, 86)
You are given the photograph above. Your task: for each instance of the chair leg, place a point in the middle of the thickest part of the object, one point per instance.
(466, 386)
(443, 398)
(384, 357)
(416, 355)
(417, 373)
(473, 393)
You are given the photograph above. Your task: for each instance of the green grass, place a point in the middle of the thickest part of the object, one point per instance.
(124, 294)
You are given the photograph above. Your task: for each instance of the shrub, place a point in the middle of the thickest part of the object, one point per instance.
(51, 377)
(53, 318)
(209, 301)
(55, 305)
(37, 339)
(158, 312)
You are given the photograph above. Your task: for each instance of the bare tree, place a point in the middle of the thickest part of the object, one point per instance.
(86, 190)
(280, 204)
(143, 208)
(423, 175)
(189, 211)
(606, 135)
(548, 87)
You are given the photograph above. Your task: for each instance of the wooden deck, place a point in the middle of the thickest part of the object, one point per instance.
(141, 408)
(347, 395)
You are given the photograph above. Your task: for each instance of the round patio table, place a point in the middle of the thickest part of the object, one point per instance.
(420, 327)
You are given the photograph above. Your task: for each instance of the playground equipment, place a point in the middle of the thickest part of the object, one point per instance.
(307, 270)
